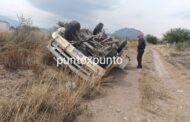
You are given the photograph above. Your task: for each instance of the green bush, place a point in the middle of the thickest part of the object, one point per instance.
(180, 46)
(152, 39)
(176, 35)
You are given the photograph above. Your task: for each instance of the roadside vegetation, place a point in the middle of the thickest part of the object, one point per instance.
(33, 88)
(179, 37)
(151, 39)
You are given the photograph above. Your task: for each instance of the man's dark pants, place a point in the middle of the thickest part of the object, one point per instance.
(139, 58)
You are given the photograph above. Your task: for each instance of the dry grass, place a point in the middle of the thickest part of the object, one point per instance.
(152, 90)
(44, 97)
(24, 54)
(15, 58)
(179, 59)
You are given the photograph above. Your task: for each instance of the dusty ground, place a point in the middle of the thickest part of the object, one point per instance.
(160, 92)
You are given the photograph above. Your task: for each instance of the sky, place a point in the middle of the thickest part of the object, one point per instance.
(150, 16)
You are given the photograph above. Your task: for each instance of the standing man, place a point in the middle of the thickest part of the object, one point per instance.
(140, 50)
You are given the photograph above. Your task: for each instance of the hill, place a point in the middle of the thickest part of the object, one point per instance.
(130, 33)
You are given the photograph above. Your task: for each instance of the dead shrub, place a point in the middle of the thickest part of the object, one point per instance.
(15, 58)
(26, 53)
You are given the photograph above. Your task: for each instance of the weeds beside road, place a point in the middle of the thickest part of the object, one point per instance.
(32, 88)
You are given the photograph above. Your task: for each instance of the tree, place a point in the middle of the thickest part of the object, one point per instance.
(151, 39)
(177, 35)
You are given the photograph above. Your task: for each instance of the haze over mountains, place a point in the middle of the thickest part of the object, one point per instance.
(12, 22)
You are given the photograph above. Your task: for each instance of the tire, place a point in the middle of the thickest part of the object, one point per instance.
(121, 46)
(98, 28)
(111, 54)
(71, 30)
(53, 43)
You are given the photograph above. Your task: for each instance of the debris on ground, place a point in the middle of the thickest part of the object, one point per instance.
(71, 85)
(118, 110)
(179, 91)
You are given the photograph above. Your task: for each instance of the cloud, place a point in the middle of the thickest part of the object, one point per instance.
(183, 14)
(12, 8)
(150, 16)
(75, 9)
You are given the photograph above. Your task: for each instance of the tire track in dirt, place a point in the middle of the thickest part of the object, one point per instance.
(121, 101)
(164, 94)
(154, 94)
(176, 86)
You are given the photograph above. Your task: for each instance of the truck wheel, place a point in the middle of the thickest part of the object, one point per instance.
(53, 43)
(71, 30)
(98, 28)
(111, 54)
(121, 46)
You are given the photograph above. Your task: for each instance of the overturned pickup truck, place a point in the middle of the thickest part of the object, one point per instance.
(78, 48)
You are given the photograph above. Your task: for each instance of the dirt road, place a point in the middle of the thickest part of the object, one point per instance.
(158, 93)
